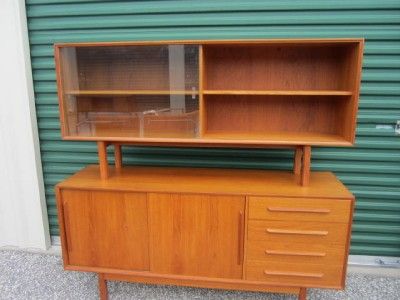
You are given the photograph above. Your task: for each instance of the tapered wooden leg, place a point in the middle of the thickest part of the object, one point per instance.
(303, 294)
(306, 165)
(103, 292)
(102, 149)
(298, 153)
(118, 156)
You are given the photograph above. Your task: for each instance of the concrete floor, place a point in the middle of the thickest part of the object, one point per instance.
(26, 275)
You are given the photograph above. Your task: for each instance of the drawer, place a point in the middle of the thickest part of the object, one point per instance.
(295, 252)
(311, 233)
(302, 274)
(300, 209)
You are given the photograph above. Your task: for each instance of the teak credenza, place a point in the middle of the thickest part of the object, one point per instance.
(236, 229)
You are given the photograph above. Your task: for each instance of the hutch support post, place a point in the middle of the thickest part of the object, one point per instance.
(306, 165)
(103, 162)
(298, 153)
(118, 156)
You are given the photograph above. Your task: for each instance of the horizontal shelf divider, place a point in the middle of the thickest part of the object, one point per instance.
(130, 92)
(279, 92)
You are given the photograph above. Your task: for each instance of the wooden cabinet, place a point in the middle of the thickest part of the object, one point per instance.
(240, 229)
(198, 235)
(161, 225)
(105, 229)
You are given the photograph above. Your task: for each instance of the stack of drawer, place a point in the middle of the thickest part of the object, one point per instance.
(298, 241)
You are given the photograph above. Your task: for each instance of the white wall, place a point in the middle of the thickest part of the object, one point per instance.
(23, 214)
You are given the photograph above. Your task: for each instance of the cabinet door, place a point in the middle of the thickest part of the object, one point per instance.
(199, 235)
(106, 229)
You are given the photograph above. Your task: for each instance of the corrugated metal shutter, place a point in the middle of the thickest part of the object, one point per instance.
(371, 169)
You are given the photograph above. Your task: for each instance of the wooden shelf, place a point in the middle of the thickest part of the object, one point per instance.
(278, 137)
(279, 92)
(129, 92)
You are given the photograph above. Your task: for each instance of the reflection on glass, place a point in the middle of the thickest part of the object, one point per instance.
(132, 116)
(131, 91)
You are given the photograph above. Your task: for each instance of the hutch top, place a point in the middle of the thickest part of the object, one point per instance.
(240, 93)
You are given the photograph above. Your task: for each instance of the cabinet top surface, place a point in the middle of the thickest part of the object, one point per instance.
(208, 181)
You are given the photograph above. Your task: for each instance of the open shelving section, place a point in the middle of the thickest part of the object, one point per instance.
(235, 93)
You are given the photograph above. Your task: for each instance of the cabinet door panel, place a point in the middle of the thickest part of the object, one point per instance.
(196, 235)
(106, 229)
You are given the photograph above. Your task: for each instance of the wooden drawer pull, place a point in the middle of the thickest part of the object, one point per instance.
(317, 254)
(297, 274)
(240, 238)
(305, 232)
(300, 210)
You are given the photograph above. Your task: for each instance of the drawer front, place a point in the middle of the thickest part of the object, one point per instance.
(295, 252)
(313, 275)
(299, 209)
(313, 233)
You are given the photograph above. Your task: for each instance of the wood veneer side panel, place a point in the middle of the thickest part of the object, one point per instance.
(347, 245)
(351, 80)
(60, 91)
(356, 92)
(61, 223)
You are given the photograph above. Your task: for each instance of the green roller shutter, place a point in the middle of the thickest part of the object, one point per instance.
(371, 169)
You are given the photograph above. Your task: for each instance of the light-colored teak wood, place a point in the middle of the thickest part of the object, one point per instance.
(205, 282)
(240, 229)
(103, 291)
(103, 162)
(303, 294)
(106, 229)
(209, 181)
(306, 165)
(118, 156)
(298, 232)
(211, 93)
(239, 233)
(297, 160)
(302, 274)
(288, 251)
(279, 92)
(197, 235)
(299, 209)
